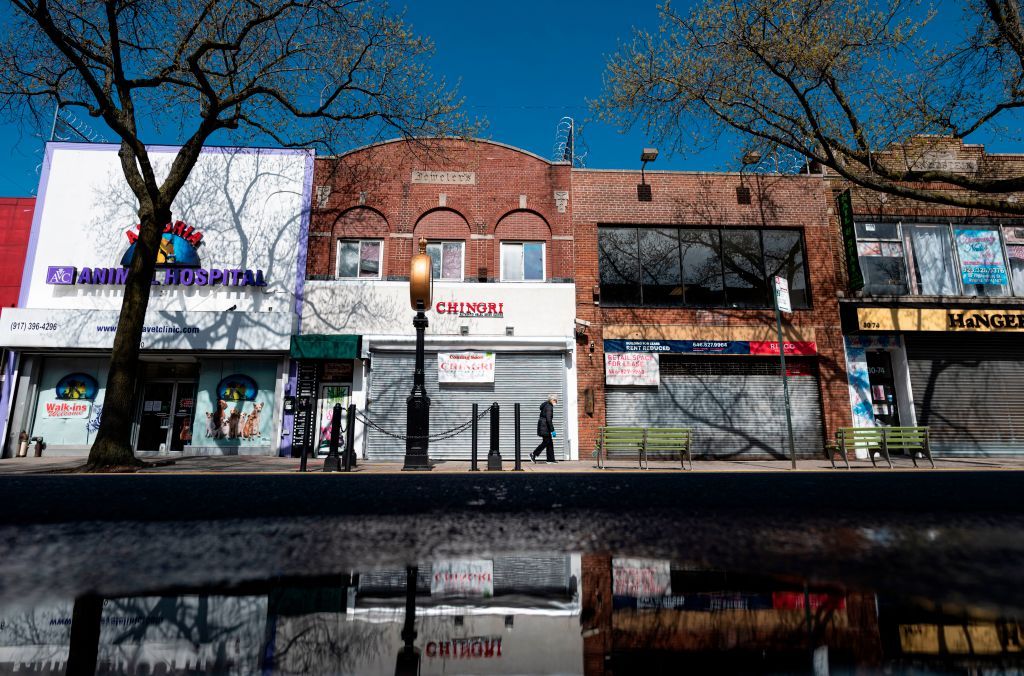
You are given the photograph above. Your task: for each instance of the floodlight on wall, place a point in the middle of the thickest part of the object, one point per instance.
(643, 191)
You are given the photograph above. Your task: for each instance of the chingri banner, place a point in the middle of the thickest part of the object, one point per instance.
(465, 367)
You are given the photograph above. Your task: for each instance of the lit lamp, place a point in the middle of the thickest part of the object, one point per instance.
(417, 426)
(643, 191)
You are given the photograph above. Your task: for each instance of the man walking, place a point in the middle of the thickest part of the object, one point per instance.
(546, 430)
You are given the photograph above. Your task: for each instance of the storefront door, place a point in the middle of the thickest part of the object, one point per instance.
(165, 422)
(883, 391)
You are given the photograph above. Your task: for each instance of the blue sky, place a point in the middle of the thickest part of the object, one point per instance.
(521, 65)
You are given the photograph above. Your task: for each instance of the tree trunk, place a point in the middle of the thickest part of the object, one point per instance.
(113, 444)
(83, 650)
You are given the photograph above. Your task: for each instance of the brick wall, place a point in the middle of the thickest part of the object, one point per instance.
(702, 199)
(372, 194)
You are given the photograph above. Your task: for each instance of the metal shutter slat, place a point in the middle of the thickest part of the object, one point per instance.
(735, 406)
(969, 391)
(526, 378)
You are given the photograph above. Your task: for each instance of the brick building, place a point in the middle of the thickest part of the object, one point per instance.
(499, 230)
(527, 256)
(934, 310)
(674, 278)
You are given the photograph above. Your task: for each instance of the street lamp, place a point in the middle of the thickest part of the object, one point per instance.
(417, 426)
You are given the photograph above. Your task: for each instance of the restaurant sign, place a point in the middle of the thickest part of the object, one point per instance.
(939, 319)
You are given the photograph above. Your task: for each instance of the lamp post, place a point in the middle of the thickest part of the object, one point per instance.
(417, 426)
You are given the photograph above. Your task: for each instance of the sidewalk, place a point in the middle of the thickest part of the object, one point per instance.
(267, 465)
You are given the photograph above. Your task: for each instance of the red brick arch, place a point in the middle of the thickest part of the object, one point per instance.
(450, 225)
(523, 225)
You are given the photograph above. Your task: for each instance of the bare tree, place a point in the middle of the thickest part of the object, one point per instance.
(835, 81)
(316, 73)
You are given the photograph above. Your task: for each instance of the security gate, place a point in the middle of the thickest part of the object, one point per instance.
(734, 405)
(526, 378)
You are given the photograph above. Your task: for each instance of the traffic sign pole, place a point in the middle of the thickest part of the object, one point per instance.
(781, 296)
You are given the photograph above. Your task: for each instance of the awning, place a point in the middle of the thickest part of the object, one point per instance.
(320, 346)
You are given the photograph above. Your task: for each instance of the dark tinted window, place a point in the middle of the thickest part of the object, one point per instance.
(659, 267)
(619, 266)
(744, 269)
(702, 267)
(709, 267)
(784, 257)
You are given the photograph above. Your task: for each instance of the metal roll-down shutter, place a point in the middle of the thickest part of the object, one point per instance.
(970, 391)
(734, 405)
(526, 378)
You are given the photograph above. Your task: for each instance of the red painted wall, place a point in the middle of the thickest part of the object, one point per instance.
(15, 226)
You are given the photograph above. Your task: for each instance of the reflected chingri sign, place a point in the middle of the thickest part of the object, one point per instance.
(641, 577)
(462, 577)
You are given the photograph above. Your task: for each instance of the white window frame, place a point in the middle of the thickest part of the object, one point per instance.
(360, 242)
(462, 259)
(520, 243)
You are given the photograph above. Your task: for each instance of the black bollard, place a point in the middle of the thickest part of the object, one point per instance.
(519, 451)
(494, 455)
(332, 463)
(350, 439)
(472, 451)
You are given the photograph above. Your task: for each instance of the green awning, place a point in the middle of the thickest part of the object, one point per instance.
(319, 346)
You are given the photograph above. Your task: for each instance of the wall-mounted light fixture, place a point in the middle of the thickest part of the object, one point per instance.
(643, 191)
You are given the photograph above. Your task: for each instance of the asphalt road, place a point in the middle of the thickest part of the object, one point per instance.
(942, 534)
(69, 498)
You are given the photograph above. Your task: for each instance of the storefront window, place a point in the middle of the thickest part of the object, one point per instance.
(982, 268)
(359, 258)
(699, 268)
(881, 259)
(659, 267)
(784, 257)
(1014, 238)
(702, 267)
(618, 262)
(930, 260)
(446, 260)
(744, 269)
(522, 261)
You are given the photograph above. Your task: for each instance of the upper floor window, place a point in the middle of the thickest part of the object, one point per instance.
(940, 259)
(709, 267)
(446, 259)
(359, 258)
(522, 261)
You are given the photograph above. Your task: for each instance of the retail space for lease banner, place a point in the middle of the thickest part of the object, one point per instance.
(957, 369)
(214, 362)
(724, 383)
(509, 343)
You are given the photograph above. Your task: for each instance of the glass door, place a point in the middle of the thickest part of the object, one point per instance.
(155, 419)
(883, 389)
(165, 423)
(184, 405)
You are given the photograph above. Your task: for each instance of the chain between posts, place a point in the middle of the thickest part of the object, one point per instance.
(440, 436)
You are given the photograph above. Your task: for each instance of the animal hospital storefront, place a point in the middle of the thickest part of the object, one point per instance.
(213, 369)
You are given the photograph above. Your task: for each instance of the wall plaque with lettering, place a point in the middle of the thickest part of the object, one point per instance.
(444, 177)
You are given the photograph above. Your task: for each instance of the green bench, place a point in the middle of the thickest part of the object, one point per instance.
(643, 444)
(882, 439)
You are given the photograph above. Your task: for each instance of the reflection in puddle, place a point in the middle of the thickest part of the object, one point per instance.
(561, 613)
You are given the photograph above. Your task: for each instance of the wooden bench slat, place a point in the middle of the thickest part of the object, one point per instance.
(644, 442)
(883, 439)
